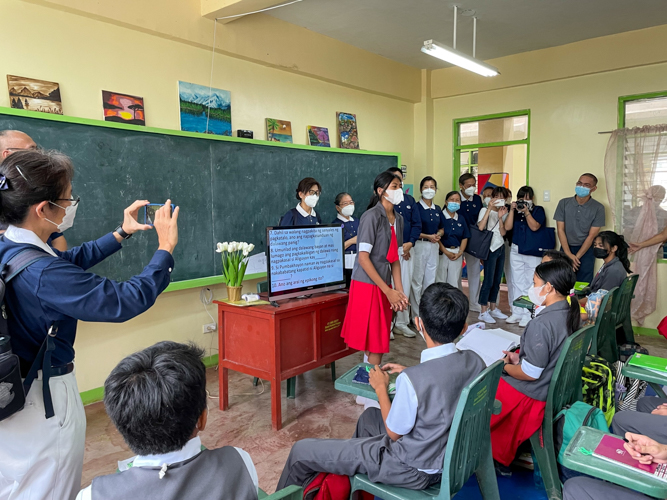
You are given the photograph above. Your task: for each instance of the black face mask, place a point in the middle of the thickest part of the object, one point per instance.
(600, 253)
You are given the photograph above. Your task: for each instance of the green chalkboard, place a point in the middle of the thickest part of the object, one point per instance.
(227, 188)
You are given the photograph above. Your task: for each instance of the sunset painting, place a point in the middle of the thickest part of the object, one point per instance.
(123, 108)
(34, 95)
(278, 130)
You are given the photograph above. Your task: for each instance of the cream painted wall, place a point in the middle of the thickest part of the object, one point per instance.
(566, 116)
(86, 55)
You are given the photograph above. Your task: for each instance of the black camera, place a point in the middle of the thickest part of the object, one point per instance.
(520, 204)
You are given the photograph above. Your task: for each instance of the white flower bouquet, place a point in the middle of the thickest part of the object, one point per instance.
(234, 261)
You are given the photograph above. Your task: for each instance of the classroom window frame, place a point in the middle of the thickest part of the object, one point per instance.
(622, 101)
(458, 149)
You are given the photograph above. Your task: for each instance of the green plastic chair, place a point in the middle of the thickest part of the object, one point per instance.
(604, 342)
(263, 287)
(564, 390)
(289, 493)
(468, 449)
(622, 301)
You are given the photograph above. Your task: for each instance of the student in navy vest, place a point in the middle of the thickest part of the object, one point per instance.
(524, 386)
(523, 219)
(402, 443)
(412, 228)
(156, 398)
(345, 208)
(471, 205)
(308, 193)
(453, 242)
(41, 455)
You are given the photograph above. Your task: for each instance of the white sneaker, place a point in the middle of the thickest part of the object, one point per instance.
(487, 318)
(524, 321)
(497, 313)
(405, 331)
(513, 319)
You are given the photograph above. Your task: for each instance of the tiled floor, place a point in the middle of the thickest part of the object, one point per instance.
(318, 411)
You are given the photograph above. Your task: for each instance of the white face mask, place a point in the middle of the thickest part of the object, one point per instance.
(535, 297)
(469, 191)
(347, 210)
(312, 200)
(68, 219)
(487, 200)
(395, 196)
(499, 203)
(428, 194)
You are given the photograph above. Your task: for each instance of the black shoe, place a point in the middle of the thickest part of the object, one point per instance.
(502, 470)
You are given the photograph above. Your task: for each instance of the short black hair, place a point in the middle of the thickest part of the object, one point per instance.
(154, 397)
(425, 180)
(444, 310)
(305, 185)
(464, 178)
(525, 190)
(557, 255)
(452, 193)
(340, 196)
(395, 170)
(502, 191)
(588, 174)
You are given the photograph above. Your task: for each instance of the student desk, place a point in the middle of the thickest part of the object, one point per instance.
(277, 343)
(655, 380)
(345, 384)
(588, 439)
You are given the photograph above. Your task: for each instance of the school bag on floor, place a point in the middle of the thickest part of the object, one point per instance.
(598, 381)
(568, 421)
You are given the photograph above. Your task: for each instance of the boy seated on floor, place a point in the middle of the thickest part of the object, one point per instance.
(402, 443)
(156, 398)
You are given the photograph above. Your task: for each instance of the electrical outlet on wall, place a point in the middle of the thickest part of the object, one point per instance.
(209, 328)
(546, 195)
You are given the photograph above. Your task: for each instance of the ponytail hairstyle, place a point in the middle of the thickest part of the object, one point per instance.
(30, 177)
(382, 181)
(612, 239)
(560, 275)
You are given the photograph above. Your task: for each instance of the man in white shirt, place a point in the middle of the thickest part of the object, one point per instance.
(156, 398)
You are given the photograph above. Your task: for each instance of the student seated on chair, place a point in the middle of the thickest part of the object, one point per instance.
(641, 448)
(156, 398)
(524, 385)
(650, 419)
(402, 443)
(613, 250)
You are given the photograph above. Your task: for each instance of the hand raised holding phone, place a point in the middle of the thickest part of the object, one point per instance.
(166, 226)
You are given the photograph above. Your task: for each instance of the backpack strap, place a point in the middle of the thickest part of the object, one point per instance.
(21, 260)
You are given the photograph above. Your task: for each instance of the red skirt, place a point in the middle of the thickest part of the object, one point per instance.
(367, 322)
(520, 418)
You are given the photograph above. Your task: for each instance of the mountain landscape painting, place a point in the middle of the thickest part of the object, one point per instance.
(34, 95)
(123, 108)
(348, 136)
(278, 130)
(205, 109)
(318, 136)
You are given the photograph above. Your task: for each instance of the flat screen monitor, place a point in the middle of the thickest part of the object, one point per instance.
(302, 260)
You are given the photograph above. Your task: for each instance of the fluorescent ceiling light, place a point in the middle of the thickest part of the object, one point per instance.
(457, 58)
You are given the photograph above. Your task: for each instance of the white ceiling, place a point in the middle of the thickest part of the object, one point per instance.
(396, 29)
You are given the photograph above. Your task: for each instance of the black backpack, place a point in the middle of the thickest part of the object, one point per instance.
(12, 390)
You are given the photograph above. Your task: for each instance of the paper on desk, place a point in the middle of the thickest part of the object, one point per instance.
(256, 264)
(489, 344)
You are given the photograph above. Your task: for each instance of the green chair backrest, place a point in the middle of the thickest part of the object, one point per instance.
(288, 493)
(470, 435)
(604, 343)
(623, 299)
(262, 287)
(565, 385)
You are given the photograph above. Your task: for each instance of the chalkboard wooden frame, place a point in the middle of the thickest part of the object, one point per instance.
(211, 280)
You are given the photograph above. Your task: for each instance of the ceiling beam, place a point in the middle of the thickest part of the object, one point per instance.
(222, 8)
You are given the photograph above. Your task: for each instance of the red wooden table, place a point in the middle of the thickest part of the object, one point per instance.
(277, 343)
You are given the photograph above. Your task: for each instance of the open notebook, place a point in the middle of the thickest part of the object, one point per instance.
(489, 344)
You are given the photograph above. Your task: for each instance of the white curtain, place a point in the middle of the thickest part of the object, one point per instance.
(633, 163)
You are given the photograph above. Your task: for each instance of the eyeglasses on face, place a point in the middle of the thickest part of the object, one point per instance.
(72, 200)
(314, 192)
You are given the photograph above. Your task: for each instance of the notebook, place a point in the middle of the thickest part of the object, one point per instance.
(580, 285)
(611, 449)
(489, 344)
(647, 362)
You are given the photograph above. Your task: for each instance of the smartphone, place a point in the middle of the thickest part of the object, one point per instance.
(150, 209)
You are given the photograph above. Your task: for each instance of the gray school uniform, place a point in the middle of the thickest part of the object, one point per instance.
(438, 384)
(609, 276)
(218, 474)
(588, 488)
(541, 343)
(374, 236)
(642, 421)
(579, 219)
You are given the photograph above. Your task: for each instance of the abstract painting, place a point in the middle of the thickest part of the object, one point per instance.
(123, 108)
(492, 181)
(318, 136)
(205, 109)
(278, 130)
(34, 95)
(347, 130)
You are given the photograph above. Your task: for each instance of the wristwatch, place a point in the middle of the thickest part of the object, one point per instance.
(122, 233)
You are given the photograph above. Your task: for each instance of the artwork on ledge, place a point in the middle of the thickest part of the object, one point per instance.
(318, 136)
(278, 130)
(204, 109)
(123, 108)
(34, 95)
(493, 181)
(347, 130)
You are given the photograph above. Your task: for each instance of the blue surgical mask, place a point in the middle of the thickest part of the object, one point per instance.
(452, 206)
(582, 191)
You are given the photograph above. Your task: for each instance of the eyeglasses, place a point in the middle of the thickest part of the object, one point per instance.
(74, 201)
(346, 204)
(312, 192)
